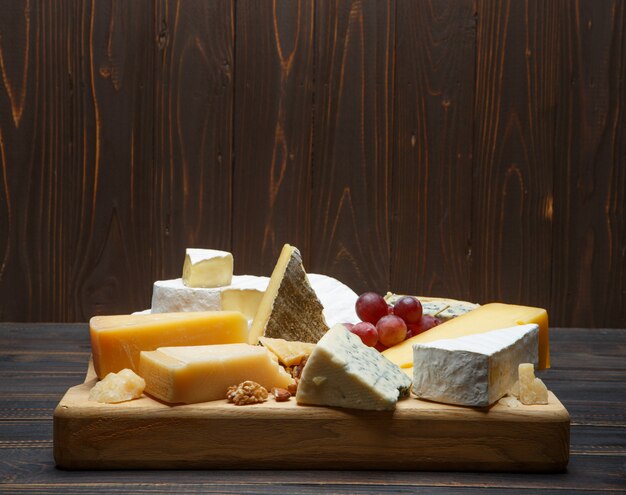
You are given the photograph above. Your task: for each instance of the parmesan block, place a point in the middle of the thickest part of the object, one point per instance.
(483, 319)
(290, 308)
(204, 373)
(116, 341)
(118, 387)
(531, 390)
(207, 268)
(474, 370)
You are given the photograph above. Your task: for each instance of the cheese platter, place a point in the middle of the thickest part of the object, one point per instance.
(298, 372)
(419, 435)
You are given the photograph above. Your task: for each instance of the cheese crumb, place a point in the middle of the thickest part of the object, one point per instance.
(531, 389)
(118, 387)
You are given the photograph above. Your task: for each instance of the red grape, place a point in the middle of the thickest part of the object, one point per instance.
(371, 307)
(367, 332)
(426, 323)
(380, 348)
(391, 330)
(409, 309)
(348, 325)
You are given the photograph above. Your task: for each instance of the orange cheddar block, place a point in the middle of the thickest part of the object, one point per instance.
(117, 341)
(483, 319)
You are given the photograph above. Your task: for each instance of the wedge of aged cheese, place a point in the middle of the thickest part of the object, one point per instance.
(288, 353)
(207, 268)
(532, 390)
(474, 370)
(204, 373)
(169, 296)
(342, 371)
(118, 387)
(443, 308)
(483, 319)
(290, 309)
(116, 341)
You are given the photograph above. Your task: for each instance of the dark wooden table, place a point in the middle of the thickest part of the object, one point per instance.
(39, 362)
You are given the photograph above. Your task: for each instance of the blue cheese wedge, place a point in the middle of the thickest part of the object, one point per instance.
(343, 372)
(442, 308)
(475, 370)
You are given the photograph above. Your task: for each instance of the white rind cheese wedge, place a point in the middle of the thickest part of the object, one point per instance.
(343, 372)
(207, 268)
(338, 299)
(290, 308)
(171, 296)
(475, 370)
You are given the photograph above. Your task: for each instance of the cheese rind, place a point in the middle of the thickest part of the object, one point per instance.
(475, 370)
(117, 340)
(342, 371)
(290, 308)
(204, 373)
(483, 319)
(338, 299)
(170, 296)
(207, 268)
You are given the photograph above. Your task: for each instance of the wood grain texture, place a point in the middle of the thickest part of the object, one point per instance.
(516, 87)
(193, 132)
(273, 108)
(596, 464)
(462, 148)
(432, 203)
(353, 146)
(589, 269)
(597, 450)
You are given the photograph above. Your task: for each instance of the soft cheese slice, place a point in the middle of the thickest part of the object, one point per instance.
(207, 268)
(342, 371)
(290, 309)
(475, 370)
(337, 299)
(116, 341)
(204, 373)
(289, 353)
(169, 296)
(483, 319)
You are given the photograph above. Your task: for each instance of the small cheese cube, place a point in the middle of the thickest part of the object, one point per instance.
(204, 373)
(207, 268)
(531, 390)
(116, 341)
(118, 387)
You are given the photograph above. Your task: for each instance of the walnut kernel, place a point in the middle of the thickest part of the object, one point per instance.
(247, 392)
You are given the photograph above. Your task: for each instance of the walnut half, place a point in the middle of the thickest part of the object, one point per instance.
(247, 392)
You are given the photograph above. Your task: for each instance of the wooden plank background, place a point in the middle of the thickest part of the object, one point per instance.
(468, 148)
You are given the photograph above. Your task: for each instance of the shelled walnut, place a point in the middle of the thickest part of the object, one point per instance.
(247, 392)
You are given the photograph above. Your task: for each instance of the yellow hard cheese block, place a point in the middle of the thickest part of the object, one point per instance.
(204, 373)
(483, 319)
(117, 340)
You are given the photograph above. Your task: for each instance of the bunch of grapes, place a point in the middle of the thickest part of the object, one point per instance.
(383, 326)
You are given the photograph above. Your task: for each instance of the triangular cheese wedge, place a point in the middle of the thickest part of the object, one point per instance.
(342, 371)
(290, 308)
(288, 353)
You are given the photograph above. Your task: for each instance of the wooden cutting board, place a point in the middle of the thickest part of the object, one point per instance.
(418, 435)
